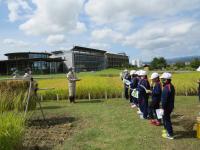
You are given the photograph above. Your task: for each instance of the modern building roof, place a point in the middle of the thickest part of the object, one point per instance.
(118, 54)
(34, 59)
(86, 49)
(17, 53)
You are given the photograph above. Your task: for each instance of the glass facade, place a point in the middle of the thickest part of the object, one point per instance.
(87, 61)
(114, 60)
(39, 63)
(38, 56)
(27, 55)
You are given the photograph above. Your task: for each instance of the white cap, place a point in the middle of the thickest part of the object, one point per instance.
(137, 72)
(166, 75)
(154, 75)
(125, 70)
(142, 73)
(132, 72)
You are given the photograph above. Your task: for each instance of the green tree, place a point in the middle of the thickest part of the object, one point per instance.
(180, 64)
(195, 63)
(158, 63)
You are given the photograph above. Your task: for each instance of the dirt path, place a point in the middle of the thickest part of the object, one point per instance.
(44, 135)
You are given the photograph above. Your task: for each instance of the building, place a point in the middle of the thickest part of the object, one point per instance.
(89, 59)
(136, 62)
(37, 62)
(116, 60)
(80, 58)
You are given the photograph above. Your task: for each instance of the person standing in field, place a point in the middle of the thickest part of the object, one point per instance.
(199, 89)
(156, 89)
(167, 99)
(125, 76)
(144, 89)
(72, 85)
(133, 85)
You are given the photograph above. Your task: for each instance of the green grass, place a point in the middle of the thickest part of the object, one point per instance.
(113, 125)
(11, 131)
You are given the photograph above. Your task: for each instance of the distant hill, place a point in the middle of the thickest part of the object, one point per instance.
(181, 59)
(177, 59)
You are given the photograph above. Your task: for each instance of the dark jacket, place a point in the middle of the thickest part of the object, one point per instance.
(142, 92)
(167, 98)
(134, 83)
(156, 92)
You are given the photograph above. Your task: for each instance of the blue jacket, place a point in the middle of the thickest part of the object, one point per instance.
(142, 92)
(167, 98)
(134, 83)
(156, 92)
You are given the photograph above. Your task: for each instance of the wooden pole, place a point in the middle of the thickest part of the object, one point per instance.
(89, 96)
(28, 98)
(57, 96)
(106, 95)
(41, 97)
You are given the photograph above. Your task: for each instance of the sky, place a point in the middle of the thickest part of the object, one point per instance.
(140, 28)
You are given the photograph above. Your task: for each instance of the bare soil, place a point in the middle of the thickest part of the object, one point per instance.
(45, 134)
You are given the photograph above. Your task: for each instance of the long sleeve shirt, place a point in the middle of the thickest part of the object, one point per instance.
(156, 92)
(143, 85)
(168, 96)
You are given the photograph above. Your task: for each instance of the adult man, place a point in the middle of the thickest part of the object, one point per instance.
(167, 99)
(72, 85)
(156, 89)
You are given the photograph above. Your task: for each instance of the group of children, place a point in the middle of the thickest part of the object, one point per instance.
(138, 89)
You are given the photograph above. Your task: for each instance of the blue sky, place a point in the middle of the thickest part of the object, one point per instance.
(143, 29)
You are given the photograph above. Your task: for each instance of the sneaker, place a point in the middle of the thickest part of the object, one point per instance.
(133, 106)
(139, 112)
(164, 131)
(153, 121)
(157, 123)
(141, 116)
(167, 136)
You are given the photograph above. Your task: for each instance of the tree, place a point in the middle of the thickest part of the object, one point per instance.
(195, 63)
(158, 63)
(180, 65)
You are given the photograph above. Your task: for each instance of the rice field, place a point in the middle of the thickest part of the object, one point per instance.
(95, 85)
(107, 84)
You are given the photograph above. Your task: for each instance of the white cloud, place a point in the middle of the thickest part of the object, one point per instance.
(103, 46)
(106, 34)
(124, 12)
(16, 8)
(55, 39)
(167, 38)
(52, 17)
(159, 34)
(80, 28)
(14, 42)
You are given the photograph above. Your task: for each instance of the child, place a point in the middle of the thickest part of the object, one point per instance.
(156, 98)
(133, 85)
(143, 88)
(167, 99)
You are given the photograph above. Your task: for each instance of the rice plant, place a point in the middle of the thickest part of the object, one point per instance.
(11, 131)
(14, 95)
(99, 83)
